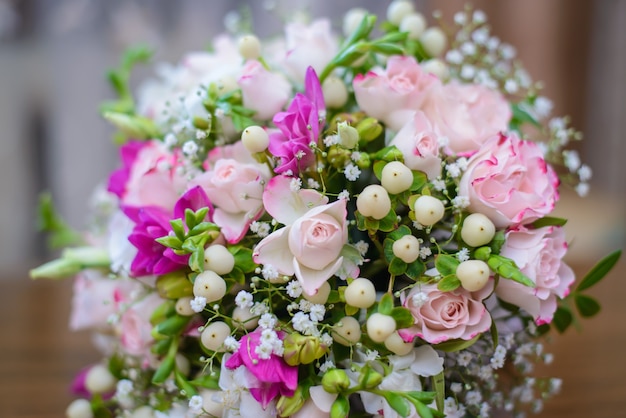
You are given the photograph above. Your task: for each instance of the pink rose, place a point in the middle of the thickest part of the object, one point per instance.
(263, 91)
(235, 189)
(441, 316)
(149, 176)
(96, 298)
(419, 146)
(136, 337)
(314, 235)
(393, 95)
(467, 114)
(539, 255)
(509, 181)
(310, 45)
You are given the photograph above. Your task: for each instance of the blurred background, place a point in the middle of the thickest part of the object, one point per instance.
(53, 57)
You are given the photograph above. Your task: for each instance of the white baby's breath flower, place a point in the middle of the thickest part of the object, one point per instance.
(425, 252)
(195, 404)
(317, 312)
(419, 299)
(584, 173)
(463, 254)
(244, 299)
(343, 195)
(460, 202)
(198, 303)
(362, 247)
(295, 184)
(267, 321)
(231, 343)
(352, 172)
(190, 148)
(312, 183)
(439, 185)
(327, 365)
(294, 289)
(331, 140)
(269, 272)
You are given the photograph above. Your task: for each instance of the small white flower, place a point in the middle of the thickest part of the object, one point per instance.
(425, 252)
(352, 172)
(479, 17)
(473, 397)
(584, 173)
(344, 195)
(195, 404)
(124, 387)
(456, 387)
(197, 304)
(190, 148)
(244, 299)
(267, 321)
(460, 202)
(262, 229)
(454, 57)
(170, 140)
(294, 289)
(511, 86)
(231, 343)
(326, 339)
(305, 305)
(327, 365)
(259, 308)
(571, 159)
(317, 312)
(439, 185)
(463, 254)
(419, 299)
(301, 321)
(200, 134)
(264, 351)
(464, 358)
(443, 141)
(480, 36)
(499, 355)
(362, 247)
(269, 272)
(453, 170)
(300, 155)
(468, 71)
(468, 48)
(582, 189)
(460, 18)
(312, 183)
(493, 43)
(507, 51)
(355, 156)
(543, 107)
(331, 140)
(371, 355)
(295, 184)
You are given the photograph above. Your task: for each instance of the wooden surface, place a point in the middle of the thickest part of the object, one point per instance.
(39, 356)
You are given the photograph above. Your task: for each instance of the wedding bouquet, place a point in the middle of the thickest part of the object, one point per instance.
(328, 224)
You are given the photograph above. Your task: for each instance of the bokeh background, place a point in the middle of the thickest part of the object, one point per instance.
(53, 57)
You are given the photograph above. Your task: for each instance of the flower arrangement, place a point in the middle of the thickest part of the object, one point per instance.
(328, 226)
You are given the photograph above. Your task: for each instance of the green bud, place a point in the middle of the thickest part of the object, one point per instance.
(364, 161)
(133, 126)
(337, 156)
(300, 349)
(390, 153)
(348, 135)
(55, 269)
(340, 408)
(289, 405)
(482, 253)
(335, 381)
(369, 378)
(163, 311)
(87, 256)
(201, 123)
(174, 285)
(369, 129)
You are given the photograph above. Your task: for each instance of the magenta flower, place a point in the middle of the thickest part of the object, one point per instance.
(152, 222)
(273, 376)
(298, 127)
(119, 178)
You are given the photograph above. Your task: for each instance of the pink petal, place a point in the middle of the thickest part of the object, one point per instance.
(310, 279)
(274, 250)
(287, 206)
(233, 225)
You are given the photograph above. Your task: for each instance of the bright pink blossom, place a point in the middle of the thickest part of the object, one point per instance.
(539, 255)
(446, 315)
(299, 127)
(508, 181)
(272, 376)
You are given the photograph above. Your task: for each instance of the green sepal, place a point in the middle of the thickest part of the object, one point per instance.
(196, 260)
(415, 269)
(419, 180)
(340, 407)
(389, 222)
(562, 319)
(451, 346)
(397, 402)
(397, 267)
(378, 168)
(600, 270)
(178, 228)
(170, 242)
(385, 306)
(497, 242)
(587, 306)
(507, 269)
(549, 221)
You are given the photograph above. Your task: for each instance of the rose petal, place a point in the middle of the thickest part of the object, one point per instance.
(287, 206)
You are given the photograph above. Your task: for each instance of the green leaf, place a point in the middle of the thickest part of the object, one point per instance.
(398, 403)
(387, 48)
(190, 218)
(600, 270)
(378, 168)
(423, 411)
(201, 215)
(403, 317)
(184, 385)
(549, 221)
(419, 180)
(351, 310)
(207, 381)
(415, 270)
(562, 319)
(173, 325)
(440, 390)
(243, 258)
(426, 397)
(385, 306)
(389, 222)
(497, 242)
(446, 264)
(449, 283)
(178, 228)
(399, 233)
(167, 365)
(196, 260)
(237, 275)
(170, 242)
(397, 267)
(506, 268)
(50, 222)
(587, 306)
(451, 346)
(520, 116)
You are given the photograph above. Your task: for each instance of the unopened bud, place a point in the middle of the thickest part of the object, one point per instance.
(174, 285)
(369, 129)
(335, 381)
(289, 405)
(369, 378)
(348, 135)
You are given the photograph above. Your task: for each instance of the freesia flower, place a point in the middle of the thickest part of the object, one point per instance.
(153, 222)
(314, 235)
(299, 127)
(271, 376)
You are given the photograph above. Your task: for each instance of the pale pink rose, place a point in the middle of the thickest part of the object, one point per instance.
(263, 91)
(310, 244)
(135, 326)
(393, 95)
(509, 181)
(312, 45)
(467, 114)
(419, 145)
(96, 298)
(458, 314)
(233, 183)
(539, 255)
(149, 176)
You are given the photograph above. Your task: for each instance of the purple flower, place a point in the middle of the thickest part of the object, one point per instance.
(273, 376)
(152, 222)
(119, 178)
(299, 126)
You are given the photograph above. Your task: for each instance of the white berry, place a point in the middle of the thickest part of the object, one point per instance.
(347, 331)
(335, 92)
(414, 24)
(351, 22)
(374, 201)
(397, 345)
(250, 47)
(477, 230)
(361, 293)
(436, 67)
(380, 326)
(209, 406)
(473, 274)
(321, 296)
(209, 285)
(214, 334)
(219, 259)
(397, 9)
(428, 210)
(244, 318)
(100, 380)
(183, 306)
(407, 248)
(79, 408)
(396, 177)
(255, 139)
(434, 41)
(143, 412)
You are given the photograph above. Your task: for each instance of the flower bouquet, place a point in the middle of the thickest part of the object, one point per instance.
(328, 224)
